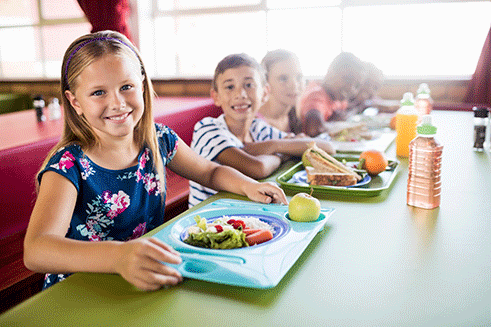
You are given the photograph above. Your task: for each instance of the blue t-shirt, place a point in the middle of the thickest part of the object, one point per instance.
(118, 205)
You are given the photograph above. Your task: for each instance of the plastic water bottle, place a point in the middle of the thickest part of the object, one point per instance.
(424, 102)
(406, 121)
(54, 109)
(425, 159)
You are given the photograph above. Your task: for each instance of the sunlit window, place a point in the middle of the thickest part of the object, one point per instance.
(202, 41)
(404, 39)
(192, 4)
(32, 42)
(418, 40)
(315, 43)
(187, 38)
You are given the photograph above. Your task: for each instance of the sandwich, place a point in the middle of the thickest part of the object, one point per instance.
(326, 170)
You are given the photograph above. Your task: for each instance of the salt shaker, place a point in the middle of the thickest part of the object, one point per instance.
(480, 123)
(39, 106)
(54, 109)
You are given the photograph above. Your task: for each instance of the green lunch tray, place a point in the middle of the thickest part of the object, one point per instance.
(374, 187)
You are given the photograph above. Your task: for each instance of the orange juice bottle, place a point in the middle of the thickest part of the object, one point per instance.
(406, 121)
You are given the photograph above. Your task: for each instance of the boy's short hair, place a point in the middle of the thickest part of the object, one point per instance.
(235, 61)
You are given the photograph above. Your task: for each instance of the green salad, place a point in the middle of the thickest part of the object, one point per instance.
(216, 235)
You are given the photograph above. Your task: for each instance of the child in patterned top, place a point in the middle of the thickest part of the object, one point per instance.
(237, 138)
(105, 179)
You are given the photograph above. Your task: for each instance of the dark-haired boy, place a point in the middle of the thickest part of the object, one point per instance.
(237, 138)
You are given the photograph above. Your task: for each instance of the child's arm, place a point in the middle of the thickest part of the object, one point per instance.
(190, 165)
(46, 249)
(286, 146)
(256, 166)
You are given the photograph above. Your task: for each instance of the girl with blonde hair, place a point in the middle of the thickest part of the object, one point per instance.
(103, 185)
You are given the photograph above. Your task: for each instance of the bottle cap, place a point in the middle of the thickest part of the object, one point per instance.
(423, 89)
(407, 99)
(480, 112)
(426, 127)
(38, 101)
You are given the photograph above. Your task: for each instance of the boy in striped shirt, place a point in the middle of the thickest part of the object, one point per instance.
(238, 138)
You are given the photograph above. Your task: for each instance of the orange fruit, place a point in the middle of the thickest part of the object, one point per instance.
(373, 161)
(393, 122)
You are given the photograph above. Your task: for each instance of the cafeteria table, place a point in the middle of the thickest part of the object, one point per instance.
(377, 262)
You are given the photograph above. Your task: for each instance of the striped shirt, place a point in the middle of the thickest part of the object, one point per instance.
(211, 136)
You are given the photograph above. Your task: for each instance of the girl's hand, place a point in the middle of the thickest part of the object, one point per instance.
(266, 192)
(140, 263)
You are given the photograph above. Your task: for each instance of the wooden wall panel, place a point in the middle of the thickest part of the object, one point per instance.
(442, 91)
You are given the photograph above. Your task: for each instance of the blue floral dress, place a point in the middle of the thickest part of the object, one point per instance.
(116, 205)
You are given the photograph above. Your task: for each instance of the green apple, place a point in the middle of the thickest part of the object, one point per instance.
(304, 207)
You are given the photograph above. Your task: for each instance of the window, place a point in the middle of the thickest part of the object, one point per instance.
(413, 40)
(34, 35)
(186, 38)
(406, 39)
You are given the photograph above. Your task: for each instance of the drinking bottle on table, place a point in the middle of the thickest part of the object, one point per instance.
(425, 159)
(406, 121)
(424, 102)
(480, 122)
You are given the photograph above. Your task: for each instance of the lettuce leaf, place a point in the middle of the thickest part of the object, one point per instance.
(227, 239)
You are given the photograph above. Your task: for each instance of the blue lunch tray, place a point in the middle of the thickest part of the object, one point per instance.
(257, 266)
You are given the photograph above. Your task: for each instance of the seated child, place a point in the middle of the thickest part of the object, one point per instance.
(286, 84)
(374, 79)
(103, 185)
(327, 101)
(237, 138)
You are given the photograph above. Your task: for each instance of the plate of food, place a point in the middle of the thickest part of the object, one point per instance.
(233, 231)
(240, 243)
(338, 174)
(356, 137)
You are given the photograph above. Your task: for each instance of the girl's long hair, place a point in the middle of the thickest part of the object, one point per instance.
(275, 56)
(76, 130)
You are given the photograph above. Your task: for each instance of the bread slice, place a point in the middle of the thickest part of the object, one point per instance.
(323, 162)
(316, 177)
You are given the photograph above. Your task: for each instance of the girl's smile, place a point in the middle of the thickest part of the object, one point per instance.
(119, 118)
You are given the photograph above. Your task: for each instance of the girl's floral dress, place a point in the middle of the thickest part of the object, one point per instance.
(116, 205)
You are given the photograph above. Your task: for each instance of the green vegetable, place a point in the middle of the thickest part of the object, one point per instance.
(227, 239)
(201, 222)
